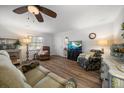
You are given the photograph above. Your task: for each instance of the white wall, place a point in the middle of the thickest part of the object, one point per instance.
(5, 33)
(102, 32)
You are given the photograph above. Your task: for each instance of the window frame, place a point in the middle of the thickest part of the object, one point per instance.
(35, 43)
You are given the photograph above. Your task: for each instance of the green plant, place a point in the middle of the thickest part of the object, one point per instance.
(17, 43)
(122, 26)
(122, 34)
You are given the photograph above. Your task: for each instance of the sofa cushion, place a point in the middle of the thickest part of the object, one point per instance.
(3, 52)
(48, 82)
(35, 75)
(26, 85)
(57, 78)
(22, 75)
(5, 61)
(10, 76)
(4, 58)
(71, 83)
(43, 69)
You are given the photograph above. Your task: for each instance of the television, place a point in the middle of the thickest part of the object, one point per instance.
(74, 49)
(75, 45)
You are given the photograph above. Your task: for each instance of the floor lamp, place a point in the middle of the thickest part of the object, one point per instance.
(27, 41)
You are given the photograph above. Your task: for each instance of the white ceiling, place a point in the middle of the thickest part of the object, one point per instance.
(68, 17)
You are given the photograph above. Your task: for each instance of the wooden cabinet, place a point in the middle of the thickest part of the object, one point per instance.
(14, 55)
(9, 44)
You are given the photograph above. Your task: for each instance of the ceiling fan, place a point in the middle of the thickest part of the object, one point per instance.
(36, 10)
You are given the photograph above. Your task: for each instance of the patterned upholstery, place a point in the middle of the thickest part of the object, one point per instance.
(90, 62)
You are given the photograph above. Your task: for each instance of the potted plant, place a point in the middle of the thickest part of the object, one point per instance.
(17, 44)
(122, 26)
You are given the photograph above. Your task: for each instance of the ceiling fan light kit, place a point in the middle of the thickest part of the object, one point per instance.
(33, 9)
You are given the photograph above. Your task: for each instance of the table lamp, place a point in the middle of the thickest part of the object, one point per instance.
(103, 43)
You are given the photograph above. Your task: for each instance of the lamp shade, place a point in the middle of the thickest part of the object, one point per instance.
(102, 42)
(26, 40)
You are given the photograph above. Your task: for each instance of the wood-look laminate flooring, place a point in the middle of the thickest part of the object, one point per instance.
(67, 69)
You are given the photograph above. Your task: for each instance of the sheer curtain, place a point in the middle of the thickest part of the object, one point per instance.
(35, 46)
(36, 43)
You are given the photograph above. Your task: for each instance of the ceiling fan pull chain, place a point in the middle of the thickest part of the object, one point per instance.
(28, 16)
(28, 20)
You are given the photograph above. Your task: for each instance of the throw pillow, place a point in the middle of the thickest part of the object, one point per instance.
(71, 83)
(27, 67)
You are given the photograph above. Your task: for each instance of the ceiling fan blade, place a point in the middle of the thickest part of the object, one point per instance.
(21, 10)
(47, 11)
(39, 17)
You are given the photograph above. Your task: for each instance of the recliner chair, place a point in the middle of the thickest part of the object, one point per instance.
(44, 55)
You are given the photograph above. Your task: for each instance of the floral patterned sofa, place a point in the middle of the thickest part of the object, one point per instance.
(90, 60)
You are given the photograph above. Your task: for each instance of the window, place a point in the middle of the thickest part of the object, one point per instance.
(36, 43)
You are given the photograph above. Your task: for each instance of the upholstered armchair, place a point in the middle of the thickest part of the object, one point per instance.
(43, 54)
